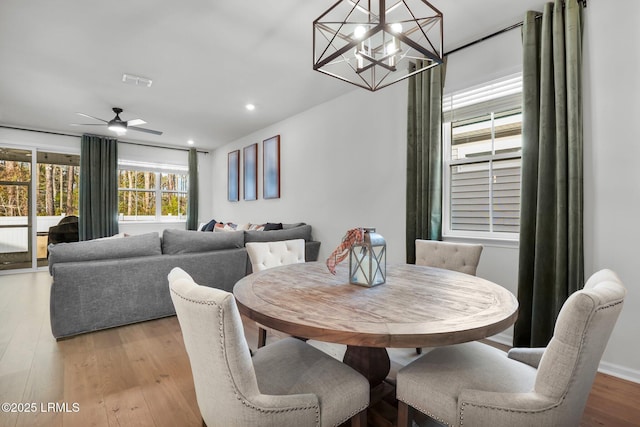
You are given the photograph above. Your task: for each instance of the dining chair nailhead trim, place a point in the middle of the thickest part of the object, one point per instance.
(239, 395)
(426, 412)
(564, 395)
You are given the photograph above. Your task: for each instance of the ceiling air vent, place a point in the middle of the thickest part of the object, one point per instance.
(136, 80)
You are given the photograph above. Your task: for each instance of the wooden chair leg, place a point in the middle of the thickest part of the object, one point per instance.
(262, 337)
(405, 414)
(359, 419)
(418, 350)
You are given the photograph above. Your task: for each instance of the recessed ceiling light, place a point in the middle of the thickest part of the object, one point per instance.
(250, 107)
(190, 142)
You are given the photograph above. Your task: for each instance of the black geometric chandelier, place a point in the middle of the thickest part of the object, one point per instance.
(370, 43)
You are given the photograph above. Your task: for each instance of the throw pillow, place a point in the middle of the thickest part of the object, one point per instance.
(272, 226)
(229, 226)
(256, 227)
(302, 232)
(209, 226)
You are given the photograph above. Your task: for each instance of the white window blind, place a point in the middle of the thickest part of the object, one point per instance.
(483, 144)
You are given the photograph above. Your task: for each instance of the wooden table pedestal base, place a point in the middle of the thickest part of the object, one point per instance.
(372, 362)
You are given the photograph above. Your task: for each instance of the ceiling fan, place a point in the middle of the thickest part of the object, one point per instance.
(118, 125)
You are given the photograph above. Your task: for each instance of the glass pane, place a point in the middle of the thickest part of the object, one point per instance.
(136, 179)
(136, 205)
(174, 205)
(14, 239)
(58, 190)
(471, 138)
(506, 195)
(14, 204)
(57, 196)
(173, 182)
(470, 197)
(15, 227)
(508, 133)
(15, 165)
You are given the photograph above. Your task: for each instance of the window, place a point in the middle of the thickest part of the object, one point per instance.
(482, 161)
(151, 192)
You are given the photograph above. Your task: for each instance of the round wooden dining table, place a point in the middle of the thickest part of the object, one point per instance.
(416, 307)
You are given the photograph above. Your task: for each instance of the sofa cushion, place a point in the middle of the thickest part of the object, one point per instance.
(300, 232)
(270, 226)
(292, 225)
(90, 250)
(184, 241)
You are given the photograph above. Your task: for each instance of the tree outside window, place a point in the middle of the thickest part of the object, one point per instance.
(152, 195)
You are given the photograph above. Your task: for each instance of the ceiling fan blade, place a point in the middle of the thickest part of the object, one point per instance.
(135, 122)
(155, 132)
(91, 117)
(86, 124)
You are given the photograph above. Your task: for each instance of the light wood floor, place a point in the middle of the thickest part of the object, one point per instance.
(139, 375)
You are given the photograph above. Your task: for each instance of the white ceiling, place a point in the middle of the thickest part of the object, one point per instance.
(207, 59)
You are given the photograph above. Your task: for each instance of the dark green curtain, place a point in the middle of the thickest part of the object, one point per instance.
(424, 158)
(98, 187)
(192, 201)
(551, 239)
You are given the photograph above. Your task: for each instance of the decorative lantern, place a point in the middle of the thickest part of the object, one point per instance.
(368, 260)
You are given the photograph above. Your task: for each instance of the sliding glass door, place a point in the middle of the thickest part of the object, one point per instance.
(57, 178)
(24, 225)
(15, 209)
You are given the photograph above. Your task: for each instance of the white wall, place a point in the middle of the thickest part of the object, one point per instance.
(43, 141)
(612, 175)
(343, 164)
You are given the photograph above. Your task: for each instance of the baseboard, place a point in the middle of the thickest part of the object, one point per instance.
(620, 372)
(605, 367)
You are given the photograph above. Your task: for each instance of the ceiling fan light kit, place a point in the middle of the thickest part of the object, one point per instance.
(370, 43)
(118, 125)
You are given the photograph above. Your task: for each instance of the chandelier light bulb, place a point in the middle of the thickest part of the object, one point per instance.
(396, 28)
(391, 48)
(358, 33)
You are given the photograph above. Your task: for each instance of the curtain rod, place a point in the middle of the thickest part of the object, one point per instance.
(497, 33)
(120, 141)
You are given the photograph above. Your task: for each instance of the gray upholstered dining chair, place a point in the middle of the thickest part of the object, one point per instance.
(264, 255)
(473, 384)
(286, 384)
(462, 257)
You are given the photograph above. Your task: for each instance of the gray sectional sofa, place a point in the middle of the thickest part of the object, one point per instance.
(100, 284)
